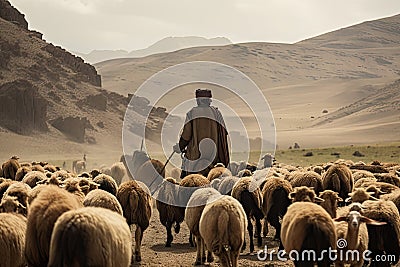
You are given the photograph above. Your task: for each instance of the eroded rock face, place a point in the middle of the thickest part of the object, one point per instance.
(98, 102)
(73, 127)
(10, 13)
(22, 108)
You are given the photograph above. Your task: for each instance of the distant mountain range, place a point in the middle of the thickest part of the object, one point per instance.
(168, 44)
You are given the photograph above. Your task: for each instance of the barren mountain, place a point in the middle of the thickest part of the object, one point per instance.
(167, 44)
(52, 102)
(299, 80)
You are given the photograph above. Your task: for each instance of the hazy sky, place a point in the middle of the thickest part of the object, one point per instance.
(84, 25)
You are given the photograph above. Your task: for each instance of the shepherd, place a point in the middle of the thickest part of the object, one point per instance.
(204, 138)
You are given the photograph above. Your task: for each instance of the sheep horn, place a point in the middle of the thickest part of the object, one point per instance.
(373, 198)
(347, 200)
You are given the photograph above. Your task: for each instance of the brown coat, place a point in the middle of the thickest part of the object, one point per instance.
(205, 122)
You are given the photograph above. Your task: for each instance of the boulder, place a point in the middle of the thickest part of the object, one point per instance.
(73, 127)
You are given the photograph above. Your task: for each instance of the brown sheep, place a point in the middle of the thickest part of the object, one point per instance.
(330, 202)
(218, 172)
(21, 192)
(33, 177)
(304, 194)
(50, 203)
(90, 236)
(307, 226)
(107, 183)
(11, 204)
(222, 226)
(359, 174)
(136, 205)
(360, 195)
(118, 172)
(21, 172)
(102, 199)
(10, 167)
(275, 201)
(338, 178)
(388, 178)
(247, 192)
(308, 178)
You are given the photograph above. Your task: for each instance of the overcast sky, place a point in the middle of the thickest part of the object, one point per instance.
(85, 25)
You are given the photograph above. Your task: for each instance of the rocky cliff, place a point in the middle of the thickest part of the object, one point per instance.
(11, 14)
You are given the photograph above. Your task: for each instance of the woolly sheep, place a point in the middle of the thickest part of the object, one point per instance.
(338, 178)
(72, 185)
(215, 183)
(35, 192)
(21, 172)
(330, 202)
(383, 239)
(307, 226)
(226, 185)
(268, 160)
(308, 178)
(170, 214)
(10, 204)
(248, 194)
(359, 174)
(360, 195)
(102, 199)
(275, 201)
(187, 186)
(4, 186)
(136, 206)
(90, 236)
(10, 167)
(394, 197)
(388, 178)
(61, 175)
(33, 177)
(193, 213)
(222, 226)
(370, 168)
(50, 203)
(118, 171)
(12, 240)
(304, 194)
(107, 183)
(364, 180)
(21, 192)
(244, 173)
(105, 170)
(351, 228)
(218, 172)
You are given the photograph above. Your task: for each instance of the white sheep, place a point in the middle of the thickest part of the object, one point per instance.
(193, 212)
(90, 236)
(222, 226)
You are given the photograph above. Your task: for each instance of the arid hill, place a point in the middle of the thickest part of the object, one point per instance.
(300, 81)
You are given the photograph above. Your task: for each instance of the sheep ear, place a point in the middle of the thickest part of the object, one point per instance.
(350, 194)
(93, 183)
(292, 195)
(318, 200)
(347, 200)
(21, 206)
(339, 199)
(341, 219)
(370, 221)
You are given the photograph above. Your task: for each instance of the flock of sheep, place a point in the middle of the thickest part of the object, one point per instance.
(53, 217)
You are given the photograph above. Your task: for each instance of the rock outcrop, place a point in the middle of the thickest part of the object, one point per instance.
(98, 102)
(22, 108)
(73, 127)
(10, 13)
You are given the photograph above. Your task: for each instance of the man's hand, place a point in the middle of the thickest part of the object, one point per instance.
(177, 149)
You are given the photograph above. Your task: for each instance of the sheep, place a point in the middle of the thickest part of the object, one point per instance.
(35, 192)
(226, 185)
(186, 188)
(10, 204)
(118, 171)
(105, 170)
(10, 167)
(244, 173)
(275, 201)
(370, 168)
(364, 180)
(304, 194)
(33, 177)
(215, 183)
(385, 187)
(12, 239)
(170, 214)
(37, 167)
(51, 168)
(360, 195)
(72, 185)
(338, 178)
(4, 186)
(107, 183)
(248, 194)
(61, 175)
(233, 167)
(222, 226)
(78, 166)
(50, 203)
(307, 226)
(90, 236)
(330, 202)
(21, 172)
(352, 229)
(95, 172)
(218, 172)
(383, 239)
(394, 197)
(318, 169)
(136, 206)
(193, 213)
(308, 178)
(388, 178)
(102, 199)
(21, 192)
(359, 174)
(268, 160)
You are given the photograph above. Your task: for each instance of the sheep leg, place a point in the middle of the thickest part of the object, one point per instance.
(265, 228)
(138, 243)
(250, 229)
(170, 237)
(200, 251)
(274, 220)
(234, 258)
(258, 232)
(191, 239)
